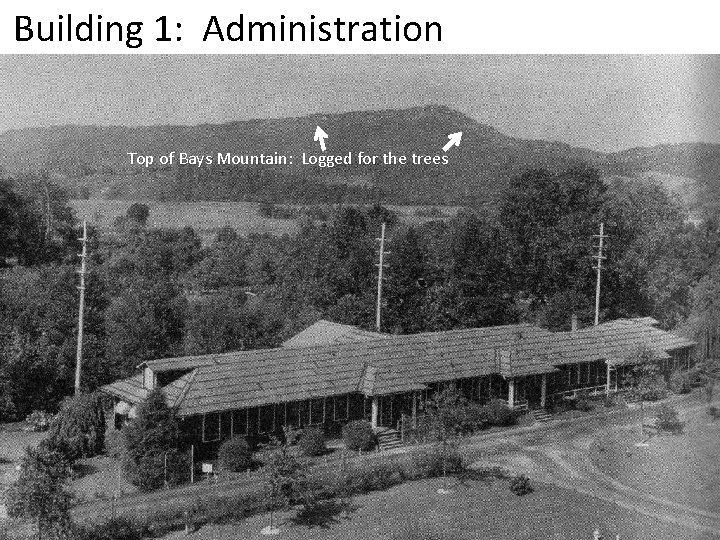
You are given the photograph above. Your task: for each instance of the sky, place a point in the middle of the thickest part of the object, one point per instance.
(605, 103)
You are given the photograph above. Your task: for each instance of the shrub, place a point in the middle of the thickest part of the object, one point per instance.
(654, 390)
(498, 413)
(114, 443)
(696, 377)
(234, 455)
(152, 434)
(668, 420)
(312, 442)
(358, 435)
(40, 492)
(709, 389)
(520, 485)
(370, 476)
(679, 383)
(79, 428)
(713, 412)
(39, 420)
(436, 461)
(114, 529)
(583, 404)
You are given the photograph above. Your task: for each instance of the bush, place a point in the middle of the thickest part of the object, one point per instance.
(40, 493)
(655, 390)
(696, 378)
(79, 427)
(520, 485)
(39, 420)
(114, 443)
(235, 455)
(155, 469)
(583, 404)
(498, 413)
(370, 476)
(312, 442)
(358, 435)
(667, 419)
(152, 434)
(436, 461)
(713, 412)
(679, 383)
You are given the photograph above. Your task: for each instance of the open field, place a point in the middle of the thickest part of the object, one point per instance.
(683, 468)
(476, 510)
(206, 217)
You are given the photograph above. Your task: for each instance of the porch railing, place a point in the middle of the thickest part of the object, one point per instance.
(590, 391)
(521, 405)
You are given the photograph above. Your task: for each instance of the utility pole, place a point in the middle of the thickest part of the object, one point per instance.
(81, 310)
(380, 265)
(599, 258)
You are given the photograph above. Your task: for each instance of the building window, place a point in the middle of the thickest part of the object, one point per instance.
(266, 419)
(211, 427)
(340, 407)
(240, 422)
(317, 411)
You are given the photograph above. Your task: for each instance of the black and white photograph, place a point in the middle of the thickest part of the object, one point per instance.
(396, 297)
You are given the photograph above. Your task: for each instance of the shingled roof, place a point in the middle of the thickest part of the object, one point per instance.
(327, 332)
(386, 364)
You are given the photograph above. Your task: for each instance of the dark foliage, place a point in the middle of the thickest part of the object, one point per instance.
(667, 419)
(79, 427)
(312, 442)
(358, 435)
(235, 455)
(152, 440)
(520, 485)
(40, 494)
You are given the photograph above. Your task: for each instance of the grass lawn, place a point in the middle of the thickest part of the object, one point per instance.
(476, 510)
(100, 478)
(684, 468)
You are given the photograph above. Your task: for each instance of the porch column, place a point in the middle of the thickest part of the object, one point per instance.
(374, 413)
(607, 378)
(511, 393)
(543, 390)
(414, 409)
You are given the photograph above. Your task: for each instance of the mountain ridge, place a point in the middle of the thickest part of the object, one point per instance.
(479, 168)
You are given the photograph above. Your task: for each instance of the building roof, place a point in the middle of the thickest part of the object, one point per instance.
(327, 332)
(388, 364)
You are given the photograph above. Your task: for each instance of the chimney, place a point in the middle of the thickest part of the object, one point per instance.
(573, 323)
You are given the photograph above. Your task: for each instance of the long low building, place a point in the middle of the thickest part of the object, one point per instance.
(330, 374)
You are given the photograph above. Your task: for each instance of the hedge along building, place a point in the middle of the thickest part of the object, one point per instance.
(330, 374)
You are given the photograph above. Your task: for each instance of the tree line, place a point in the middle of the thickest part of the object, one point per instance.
(160, 292)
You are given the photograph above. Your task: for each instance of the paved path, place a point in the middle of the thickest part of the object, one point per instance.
(564, 461)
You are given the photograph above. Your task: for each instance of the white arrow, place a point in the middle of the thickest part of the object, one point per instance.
(454, 140)
(320, 135)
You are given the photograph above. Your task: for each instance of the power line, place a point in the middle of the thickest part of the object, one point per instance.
(81, 310)
(599, 258)
(381, 264)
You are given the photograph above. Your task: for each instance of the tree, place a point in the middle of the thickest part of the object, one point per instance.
(644, 378)
(143, 323)
(446, 415)
(40, 494)
(152, 440)
(282, 473)
(549, 219)
(79, 427)
(139, 213)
